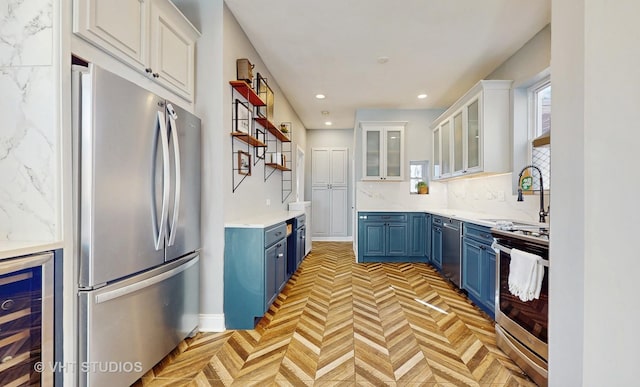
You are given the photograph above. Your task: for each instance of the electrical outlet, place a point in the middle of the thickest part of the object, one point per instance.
(268, 202)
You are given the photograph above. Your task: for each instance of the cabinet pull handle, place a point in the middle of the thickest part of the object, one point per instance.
(148, 70)
(278, 234)
(156, 75)
(280, 255)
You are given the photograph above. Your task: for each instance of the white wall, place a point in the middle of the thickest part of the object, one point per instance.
(251, 196)
(593, 314)
(342, 138)
(207, 16)
(567, 239)
(221, 43)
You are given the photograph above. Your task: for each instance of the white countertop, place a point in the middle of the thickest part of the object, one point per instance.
(11, 249)
(263, 220)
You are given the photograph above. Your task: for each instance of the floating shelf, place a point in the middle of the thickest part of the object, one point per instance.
(245, 89)
(265, 123)
(248, 139)
(277, 166)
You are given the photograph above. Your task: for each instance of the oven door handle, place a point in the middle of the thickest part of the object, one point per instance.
(506, 250)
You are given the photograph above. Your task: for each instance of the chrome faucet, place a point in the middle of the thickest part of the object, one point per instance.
(542, 212)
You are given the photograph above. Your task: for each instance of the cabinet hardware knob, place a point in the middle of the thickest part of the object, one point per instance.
(280, 255)
(156, 75)
(148, 70)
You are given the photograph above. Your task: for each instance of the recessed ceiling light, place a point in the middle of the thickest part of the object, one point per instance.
(328, 123)
(320, 96)
(324, 112)
(383, 59)
(422, 96)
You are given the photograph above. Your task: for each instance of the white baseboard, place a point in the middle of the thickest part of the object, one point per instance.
(212, 323)
(333, 239)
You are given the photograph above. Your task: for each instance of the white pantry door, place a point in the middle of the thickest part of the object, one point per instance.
(329, 176)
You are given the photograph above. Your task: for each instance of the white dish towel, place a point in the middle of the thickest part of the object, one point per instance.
(525, 275)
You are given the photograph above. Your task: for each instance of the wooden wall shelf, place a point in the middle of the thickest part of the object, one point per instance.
(248, 139)
(245, 89)
(278, 167)
(265, 123)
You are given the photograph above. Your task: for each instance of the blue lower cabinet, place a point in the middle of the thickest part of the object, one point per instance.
(396, 240)
(479, 267)
(255, 271)
(392, 237)
(372, 238)
(418, 234)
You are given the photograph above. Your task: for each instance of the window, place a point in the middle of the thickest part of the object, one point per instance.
(540, 125)
(419, 170)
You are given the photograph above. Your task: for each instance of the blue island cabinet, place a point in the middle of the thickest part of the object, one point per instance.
(479, 267)
(255, 271)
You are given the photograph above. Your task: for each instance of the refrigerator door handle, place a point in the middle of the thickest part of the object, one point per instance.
(176, 153)
(166, 181)
(121, 292)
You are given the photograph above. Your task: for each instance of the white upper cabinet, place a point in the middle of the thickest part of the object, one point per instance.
(472, 136)
(383, 151)
(152, 36)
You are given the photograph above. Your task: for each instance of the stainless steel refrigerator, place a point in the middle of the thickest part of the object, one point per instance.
(137, 226)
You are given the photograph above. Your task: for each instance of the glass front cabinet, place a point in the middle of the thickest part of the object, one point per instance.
(383, 151)
(472, 136)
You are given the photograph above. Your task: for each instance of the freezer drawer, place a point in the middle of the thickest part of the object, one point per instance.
(128, 327)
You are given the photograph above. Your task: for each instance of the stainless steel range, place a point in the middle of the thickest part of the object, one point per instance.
(522, 327)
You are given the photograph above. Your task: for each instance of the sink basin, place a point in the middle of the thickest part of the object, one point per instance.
(514, 223)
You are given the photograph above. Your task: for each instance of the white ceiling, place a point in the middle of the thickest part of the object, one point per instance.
(437, 47)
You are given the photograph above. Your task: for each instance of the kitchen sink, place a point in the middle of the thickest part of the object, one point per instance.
(514, 223)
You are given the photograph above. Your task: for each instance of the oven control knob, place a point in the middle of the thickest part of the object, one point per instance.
(7, 305)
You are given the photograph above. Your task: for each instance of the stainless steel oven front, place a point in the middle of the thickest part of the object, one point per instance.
(26, 321)
(522, 327)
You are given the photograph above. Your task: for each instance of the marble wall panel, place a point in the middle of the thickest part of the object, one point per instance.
(27, 154)
(26, 37)
(28, 125)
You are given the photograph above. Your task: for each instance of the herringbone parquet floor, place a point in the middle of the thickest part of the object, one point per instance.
(341, 323)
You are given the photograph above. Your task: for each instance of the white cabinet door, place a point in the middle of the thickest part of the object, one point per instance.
(329, 176)
(383, 152)
(152, 36)
(173, 42)
(339, 212)
(320, 166)
(329, 167)
(117, 26)
(339, 165)
(321, 211)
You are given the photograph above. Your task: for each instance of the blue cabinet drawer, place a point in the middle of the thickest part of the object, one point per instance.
(275, 233)
(479, 233)
(383, 216)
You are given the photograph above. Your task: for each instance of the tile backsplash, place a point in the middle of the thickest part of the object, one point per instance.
(491, 195)
(28, 135)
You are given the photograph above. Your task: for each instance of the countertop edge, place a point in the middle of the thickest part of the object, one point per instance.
(13, 249)
(464, 216)
(265, 220)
